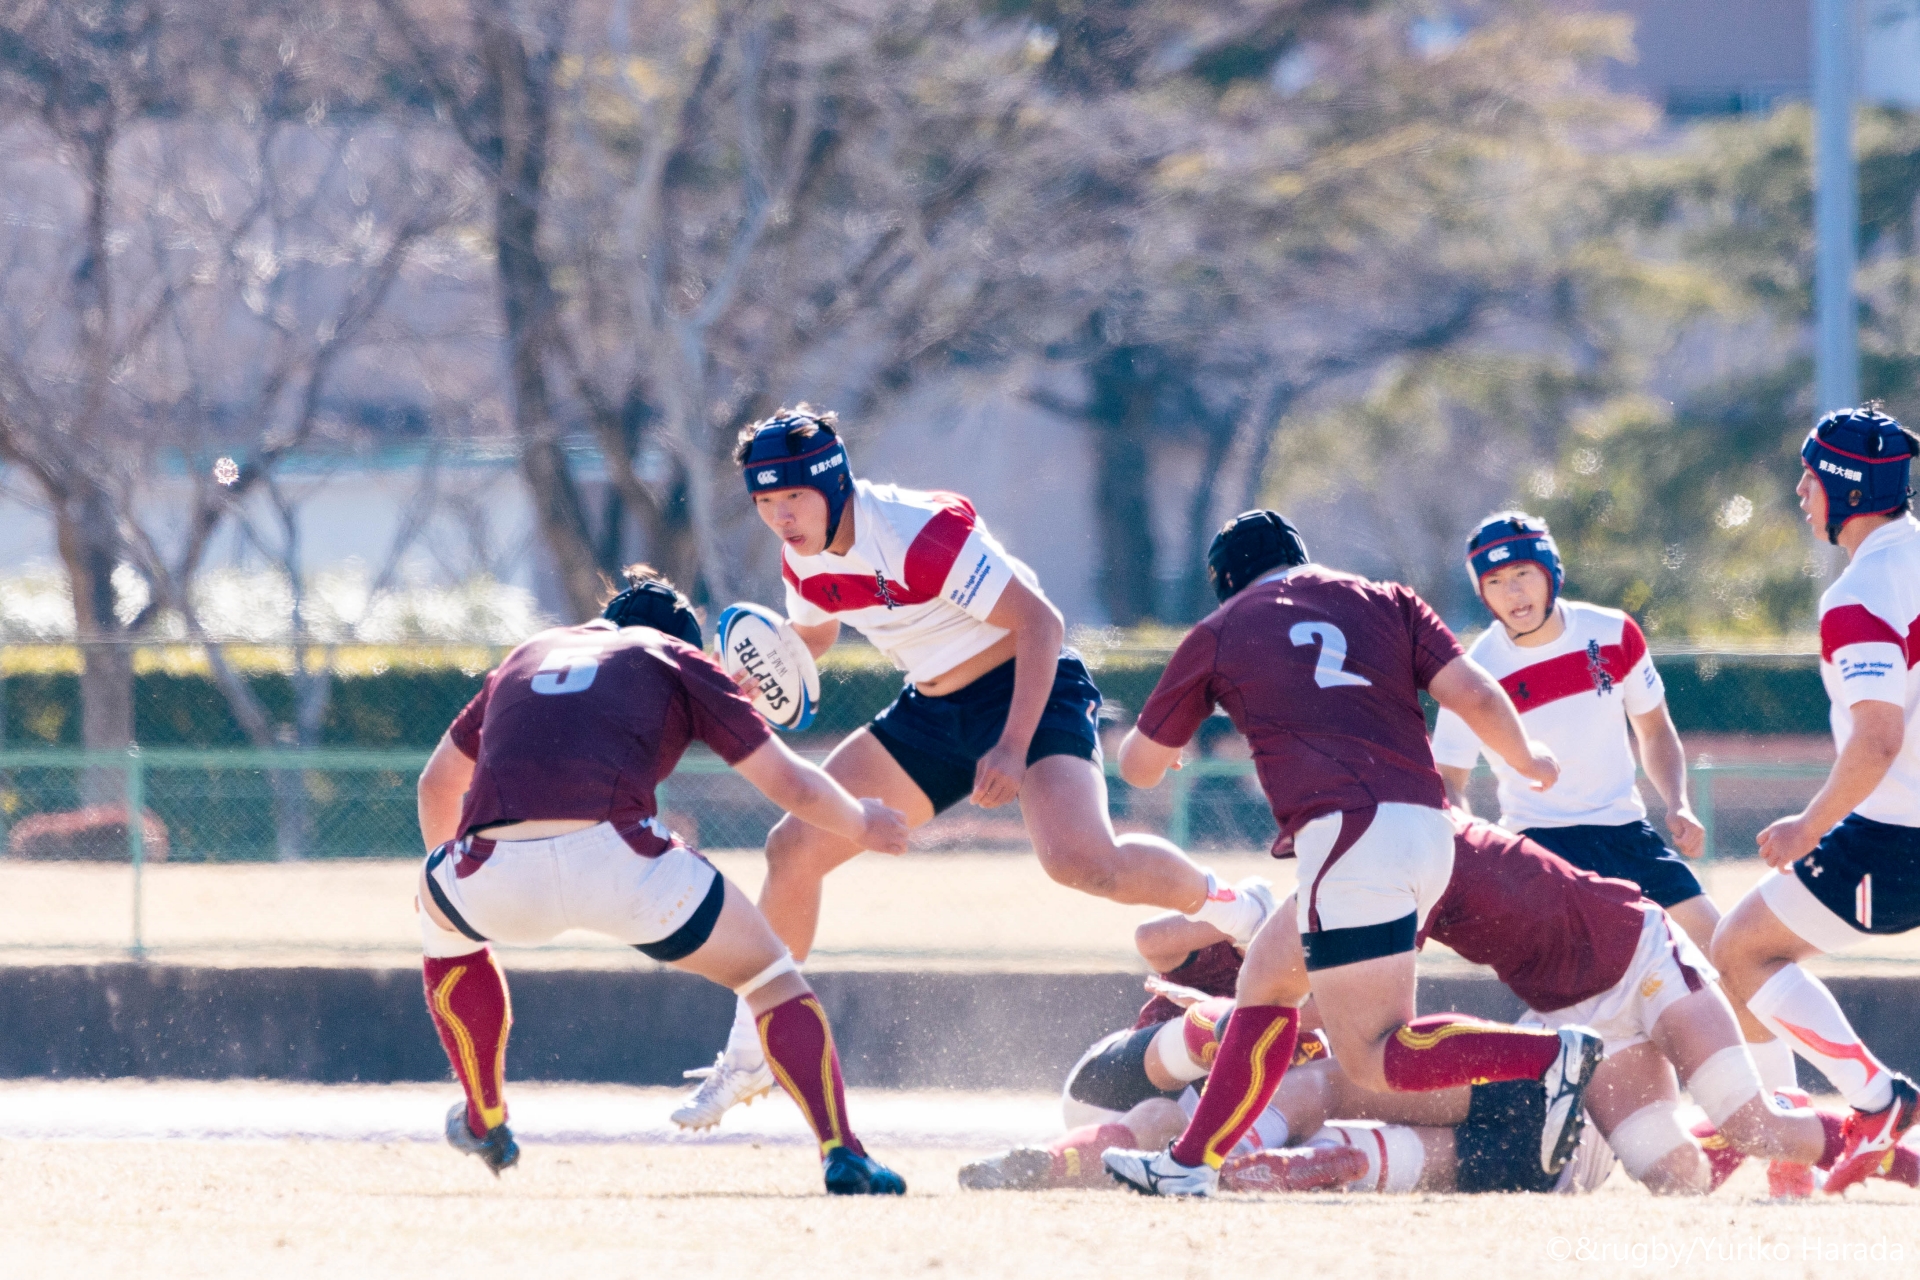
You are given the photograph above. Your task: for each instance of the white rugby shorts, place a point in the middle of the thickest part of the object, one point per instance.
(1399, 865)
(1666, 968)
(528, 892)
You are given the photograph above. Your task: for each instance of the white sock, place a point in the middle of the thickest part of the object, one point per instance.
(1798, 1008)
(1775, 1059)
(1395, 1155)
(743, 1042)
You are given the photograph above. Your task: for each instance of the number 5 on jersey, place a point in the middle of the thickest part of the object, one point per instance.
(1330, 671)
(567, 671)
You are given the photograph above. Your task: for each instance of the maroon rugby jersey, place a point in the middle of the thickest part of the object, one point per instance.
(1214, 969)
(1322, 672)
(584, 722)
(1553, 934)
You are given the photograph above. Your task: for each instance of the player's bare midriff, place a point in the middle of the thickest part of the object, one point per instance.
(958, 678)
(538, 828)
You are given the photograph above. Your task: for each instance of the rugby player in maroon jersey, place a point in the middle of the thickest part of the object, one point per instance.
(539, 808)
(1322, 672)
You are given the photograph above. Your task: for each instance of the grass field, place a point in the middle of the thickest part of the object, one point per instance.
(957, 911)
(290, 1209)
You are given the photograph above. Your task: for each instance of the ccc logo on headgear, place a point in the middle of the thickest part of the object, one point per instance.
(766, 477)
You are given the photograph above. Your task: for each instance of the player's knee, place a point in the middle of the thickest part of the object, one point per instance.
(796, 849)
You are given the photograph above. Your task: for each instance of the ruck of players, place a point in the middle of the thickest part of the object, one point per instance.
(1281, 1048)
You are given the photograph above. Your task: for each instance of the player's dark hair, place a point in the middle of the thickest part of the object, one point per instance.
(651, 600)
(803, 422)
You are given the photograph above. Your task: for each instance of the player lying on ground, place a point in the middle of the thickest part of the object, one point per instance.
(1848, 865)
(539, 808)
(1579, 949)
(1136, 1088)
(1579, 675)
(1322, 672)
(994, 707)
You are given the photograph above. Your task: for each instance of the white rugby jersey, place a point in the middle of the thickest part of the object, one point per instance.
(1574, 695)
(919, 581)
(1869, 642)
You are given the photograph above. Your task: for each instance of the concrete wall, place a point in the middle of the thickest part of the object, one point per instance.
(906, 1030)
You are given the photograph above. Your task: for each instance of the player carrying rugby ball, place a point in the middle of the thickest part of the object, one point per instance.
(995, 707)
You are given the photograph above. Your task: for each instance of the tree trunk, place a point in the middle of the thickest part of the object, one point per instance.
(1121, 414)
(520, 97)
(89, 542)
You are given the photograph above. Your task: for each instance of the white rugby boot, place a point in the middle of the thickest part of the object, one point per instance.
(1157, 1173)
(1237, 910)
(723, 1086)
(1566, 1084)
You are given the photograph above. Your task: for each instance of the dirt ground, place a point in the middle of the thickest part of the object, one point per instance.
(613, 1211)
(964, 911)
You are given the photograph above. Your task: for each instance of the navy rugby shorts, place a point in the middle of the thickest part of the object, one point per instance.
(1867, 873)
(1631, 851)
(938, 741)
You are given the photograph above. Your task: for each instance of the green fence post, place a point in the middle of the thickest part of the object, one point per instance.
(1700, 783)
(137, 841)
(1180, 821)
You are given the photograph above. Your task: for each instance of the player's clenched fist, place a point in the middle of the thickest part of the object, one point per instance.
(1541, 767)
(886, 829)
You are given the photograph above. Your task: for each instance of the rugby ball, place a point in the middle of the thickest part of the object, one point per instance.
(761, 643)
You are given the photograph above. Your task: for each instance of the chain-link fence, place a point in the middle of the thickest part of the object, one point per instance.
(295, 844)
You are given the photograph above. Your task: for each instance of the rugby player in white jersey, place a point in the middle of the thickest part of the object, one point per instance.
(1578, 674)
(995, 707)
(1848, 865)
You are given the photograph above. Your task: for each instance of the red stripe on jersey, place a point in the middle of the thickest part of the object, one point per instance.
(1854, 624)
(1571, 674)
(930, 558)
(1913, 643)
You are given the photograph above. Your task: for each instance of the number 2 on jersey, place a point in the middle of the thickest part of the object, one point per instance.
(567, 671)
(1330, 671)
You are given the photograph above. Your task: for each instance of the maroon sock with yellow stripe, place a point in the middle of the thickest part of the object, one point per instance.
(799, 1046)
(1246, 1071)
(1443, 1050)
(467, 996)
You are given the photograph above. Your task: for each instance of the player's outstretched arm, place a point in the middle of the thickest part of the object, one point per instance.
(809, 794)
(1665, 761)
(1464, 688)
(1879, 730)
(443, 788)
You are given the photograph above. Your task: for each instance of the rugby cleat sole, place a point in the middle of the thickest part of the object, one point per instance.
(1021, 1169)
(1566, 1084)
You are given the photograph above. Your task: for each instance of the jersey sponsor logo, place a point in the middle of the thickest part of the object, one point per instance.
(1834, 468)
(838, 459)
(1651, 987)
(963, 594)
(766, 477)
